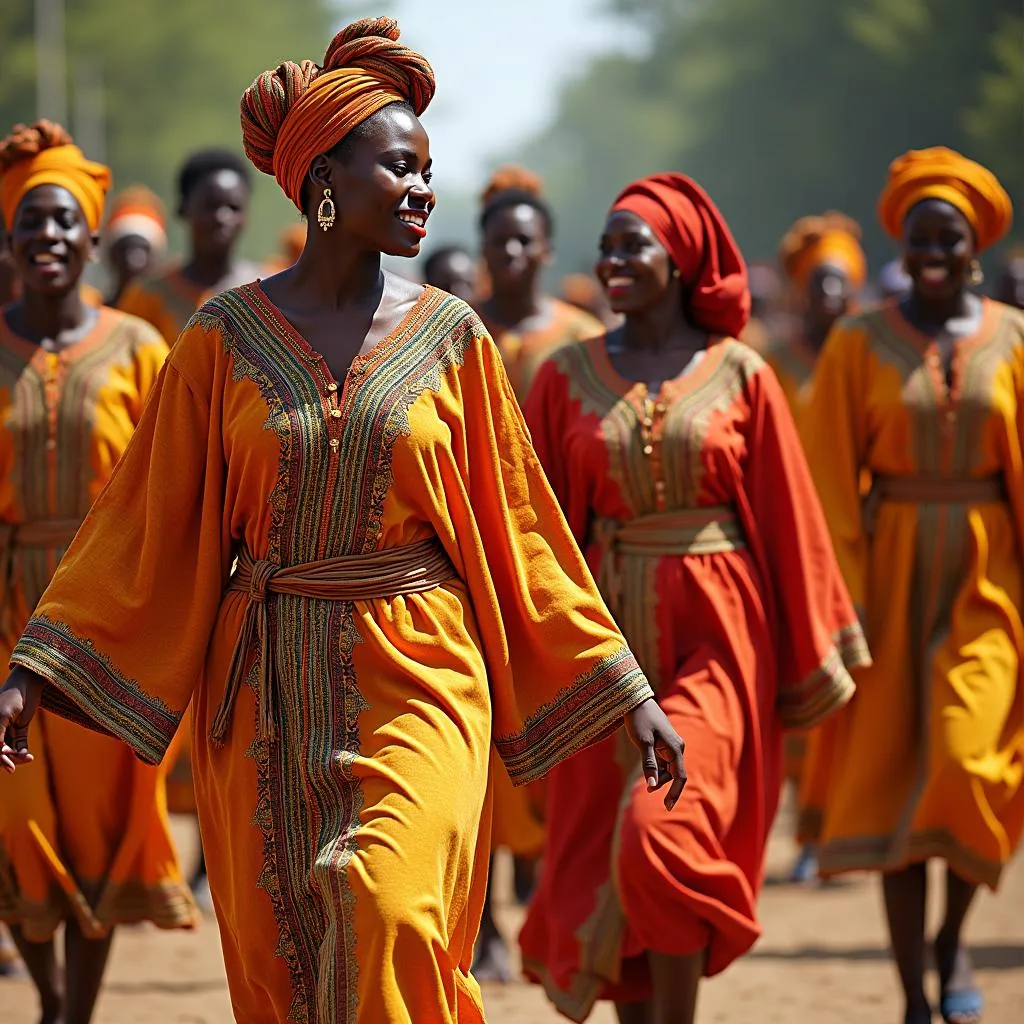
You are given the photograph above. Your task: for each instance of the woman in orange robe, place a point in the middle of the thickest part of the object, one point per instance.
(405, 583)
(675, 458)
(84, 836)
(134, 239)
(825, 268)
(517, 232)
(927, 394)
(214, 190)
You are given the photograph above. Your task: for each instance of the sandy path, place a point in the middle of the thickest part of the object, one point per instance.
(822, 960)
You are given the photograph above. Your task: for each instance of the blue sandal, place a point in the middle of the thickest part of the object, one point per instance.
(963, 1005)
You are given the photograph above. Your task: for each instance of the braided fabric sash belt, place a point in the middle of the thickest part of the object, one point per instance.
(391, 572)
(692, 531)
(932, 490)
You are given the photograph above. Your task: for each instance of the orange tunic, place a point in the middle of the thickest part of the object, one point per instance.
(169, 299)
(519, 811)
(83, 830)
(929, 757)
(737, 643)
(524, 353)
(347, 854)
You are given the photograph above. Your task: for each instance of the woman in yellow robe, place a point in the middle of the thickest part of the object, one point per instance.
(406, 585)
(84, 836)
(927, 394)
(824, 268)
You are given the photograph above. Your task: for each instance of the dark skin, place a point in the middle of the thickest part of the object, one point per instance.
(516, 249)
(50, 246)
(829, 294)
(938, 247)
(455, 273)
(215, 211)
(1011, 283)
(341, 301)
(129, 257)
(655, 343)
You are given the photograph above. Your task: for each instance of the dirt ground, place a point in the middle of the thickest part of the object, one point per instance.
(822, 960)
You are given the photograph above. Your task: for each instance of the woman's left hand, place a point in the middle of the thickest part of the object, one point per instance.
(661, 747)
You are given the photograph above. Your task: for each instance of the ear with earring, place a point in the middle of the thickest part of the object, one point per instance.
(976, 275)
(326, 213)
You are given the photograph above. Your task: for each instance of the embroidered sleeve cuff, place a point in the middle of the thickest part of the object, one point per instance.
(583, 713)
(830, 686)
(87, 689)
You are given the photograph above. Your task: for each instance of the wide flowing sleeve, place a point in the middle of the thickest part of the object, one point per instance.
(561, 674)
(836, 441)
(122, 630)
(819, 636)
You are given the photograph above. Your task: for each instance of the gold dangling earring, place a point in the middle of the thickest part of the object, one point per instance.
(325, 215)
(977, 275)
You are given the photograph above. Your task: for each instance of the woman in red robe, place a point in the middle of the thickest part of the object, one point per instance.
(674, 455)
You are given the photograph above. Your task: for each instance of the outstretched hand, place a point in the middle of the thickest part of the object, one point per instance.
(19, 699)
(660, 747)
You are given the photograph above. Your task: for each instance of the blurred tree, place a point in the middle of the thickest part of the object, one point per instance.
(784, 107)
(171, 77)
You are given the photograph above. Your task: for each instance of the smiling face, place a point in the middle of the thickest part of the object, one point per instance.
(634, 267)
(516, 247)
(215, 210)
(938, 246)
(379, 178)
(50, 241)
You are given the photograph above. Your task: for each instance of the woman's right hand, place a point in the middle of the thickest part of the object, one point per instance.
(19, 699)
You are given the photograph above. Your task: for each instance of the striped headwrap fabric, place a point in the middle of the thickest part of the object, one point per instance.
(299, 110)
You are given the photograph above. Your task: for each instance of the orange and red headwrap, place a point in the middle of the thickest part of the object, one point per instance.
(811, 242)
(297, 111)
(44, 154)
(940, 173)
(702, 248)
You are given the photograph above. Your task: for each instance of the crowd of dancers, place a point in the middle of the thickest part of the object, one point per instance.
(366, 574)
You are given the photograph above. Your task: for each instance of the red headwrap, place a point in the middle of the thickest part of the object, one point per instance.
(297, 111)
(702, 248)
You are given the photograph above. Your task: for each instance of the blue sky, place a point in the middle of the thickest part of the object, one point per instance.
(499, 64)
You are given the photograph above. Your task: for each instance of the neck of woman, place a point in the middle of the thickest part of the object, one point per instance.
(209, 268)
(513, 307)
(937, 312)
(661, 328)
(41, 317)
(337, 279)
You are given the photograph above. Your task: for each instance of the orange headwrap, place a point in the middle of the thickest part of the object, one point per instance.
(813, 241)
(702, 248)
(297, 111)
(137, 211)
(512, 178)
(44, 154)
(941, 173)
